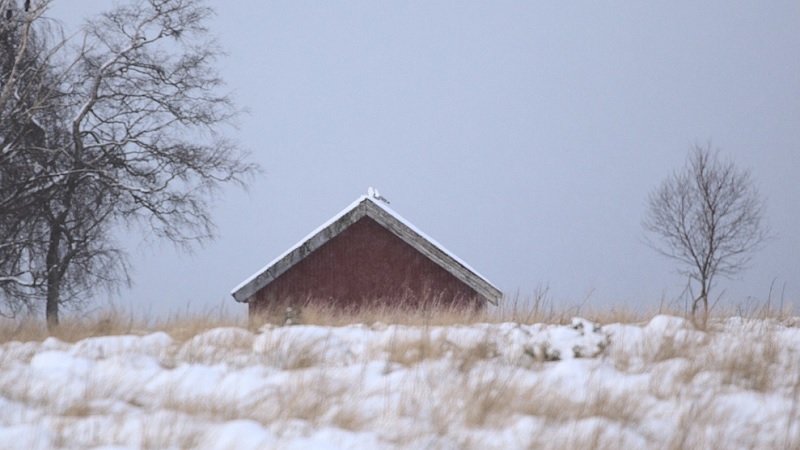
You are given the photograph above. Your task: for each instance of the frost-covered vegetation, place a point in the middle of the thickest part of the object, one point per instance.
(659, 383)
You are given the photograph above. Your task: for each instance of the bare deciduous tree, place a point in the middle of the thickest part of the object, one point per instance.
(709, 217)
(27, 105)
(132, 136)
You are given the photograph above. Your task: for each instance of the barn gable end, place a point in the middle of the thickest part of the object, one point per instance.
(367, 250)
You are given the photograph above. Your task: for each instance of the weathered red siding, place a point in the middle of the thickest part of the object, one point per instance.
(365, 265)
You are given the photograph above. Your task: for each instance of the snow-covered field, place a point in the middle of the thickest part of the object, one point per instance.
(660, 384)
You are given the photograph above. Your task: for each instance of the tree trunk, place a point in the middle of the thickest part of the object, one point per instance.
(53, 280)
(703, 297)
(53, 292)
(705, 309)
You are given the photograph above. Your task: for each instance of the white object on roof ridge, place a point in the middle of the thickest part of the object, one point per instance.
(372, 192)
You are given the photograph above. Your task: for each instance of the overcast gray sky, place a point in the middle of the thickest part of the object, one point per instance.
(522, 135)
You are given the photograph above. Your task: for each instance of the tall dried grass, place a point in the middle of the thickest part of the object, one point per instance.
(516, 308)
(114, 323)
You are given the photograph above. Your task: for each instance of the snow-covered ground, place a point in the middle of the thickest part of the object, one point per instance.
(661, 384)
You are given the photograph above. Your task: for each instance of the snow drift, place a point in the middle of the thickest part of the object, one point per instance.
(662, 384)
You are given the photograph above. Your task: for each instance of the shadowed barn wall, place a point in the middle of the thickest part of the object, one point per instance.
(365, 265)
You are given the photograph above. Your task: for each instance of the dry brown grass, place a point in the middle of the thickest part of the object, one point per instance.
(751, 366)
(411, 351)
(385, 312)
(180, 327)
(515, 308)
(70, 330)
(537, 308)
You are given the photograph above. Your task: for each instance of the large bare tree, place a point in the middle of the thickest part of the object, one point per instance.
(709, 217)
(132, 137)
(28, 105)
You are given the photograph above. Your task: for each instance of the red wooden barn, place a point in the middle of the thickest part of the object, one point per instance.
(366, 255)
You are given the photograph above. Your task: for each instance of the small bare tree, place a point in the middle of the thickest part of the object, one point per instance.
(709, 217)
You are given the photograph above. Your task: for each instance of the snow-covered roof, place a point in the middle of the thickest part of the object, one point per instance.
(389, 219)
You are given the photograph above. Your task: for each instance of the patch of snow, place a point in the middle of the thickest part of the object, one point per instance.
(106, 346)
(239, 434)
